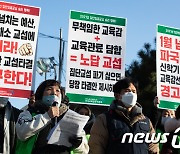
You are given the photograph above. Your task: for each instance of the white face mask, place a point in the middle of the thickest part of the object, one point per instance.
(3, 101)
(164, 119)
(129, 99)
(49, 100)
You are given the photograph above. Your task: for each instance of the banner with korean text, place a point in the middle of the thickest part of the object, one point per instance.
(168, 68)
(95, 57)
(18, 36)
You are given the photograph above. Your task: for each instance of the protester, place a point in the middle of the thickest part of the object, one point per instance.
(170, 126)
(159, 117)
(35, 124)
(124, 116)
(85, 110)
(174, 122)
(8, 118)
(166, 115)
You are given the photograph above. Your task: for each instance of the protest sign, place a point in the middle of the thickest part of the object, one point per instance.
(168, 68)
(18, 36)
(95, 57)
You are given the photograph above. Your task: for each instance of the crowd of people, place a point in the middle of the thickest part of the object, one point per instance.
(27, 131)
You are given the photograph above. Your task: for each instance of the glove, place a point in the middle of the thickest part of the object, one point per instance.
(75, 141)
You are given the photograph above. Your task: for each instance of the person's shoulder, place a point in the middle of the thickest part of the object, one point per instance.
(101, 117)
(147, 118)
(13, 107)
(16, 109)
(143, 117)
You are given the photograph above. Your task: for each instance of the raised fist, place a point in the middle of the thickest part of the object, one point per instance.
(26, 50)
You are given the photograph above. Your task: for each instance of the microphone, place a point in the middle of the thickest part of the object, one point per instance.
(55, 118)
(54, 103)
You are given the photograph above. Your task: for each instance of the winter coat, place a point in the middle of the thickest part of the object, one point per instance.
(99, 138)
(42, 124)
(10, 118)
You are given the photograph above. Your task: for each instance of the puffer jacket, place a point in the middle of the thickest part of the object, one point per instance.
(99, 138)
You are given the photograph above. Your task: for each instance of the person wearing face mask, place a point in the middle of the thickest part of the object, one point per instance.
(84, 109)
(165, 116)
(170, 125)
(124, 116)
(8, 118)
(35, 124)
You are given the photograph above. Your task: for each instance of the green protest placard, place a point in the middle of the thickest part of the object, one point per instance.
(95, 57)
(168, 68)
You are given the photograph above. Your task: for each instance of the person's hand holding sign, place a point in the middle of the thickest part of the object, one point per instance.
(26, 50)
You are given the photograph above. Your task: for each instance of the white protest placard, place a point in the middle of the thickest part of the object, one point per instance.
(95, 57)
(18, 36)
(168, 68)
(70, 125)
